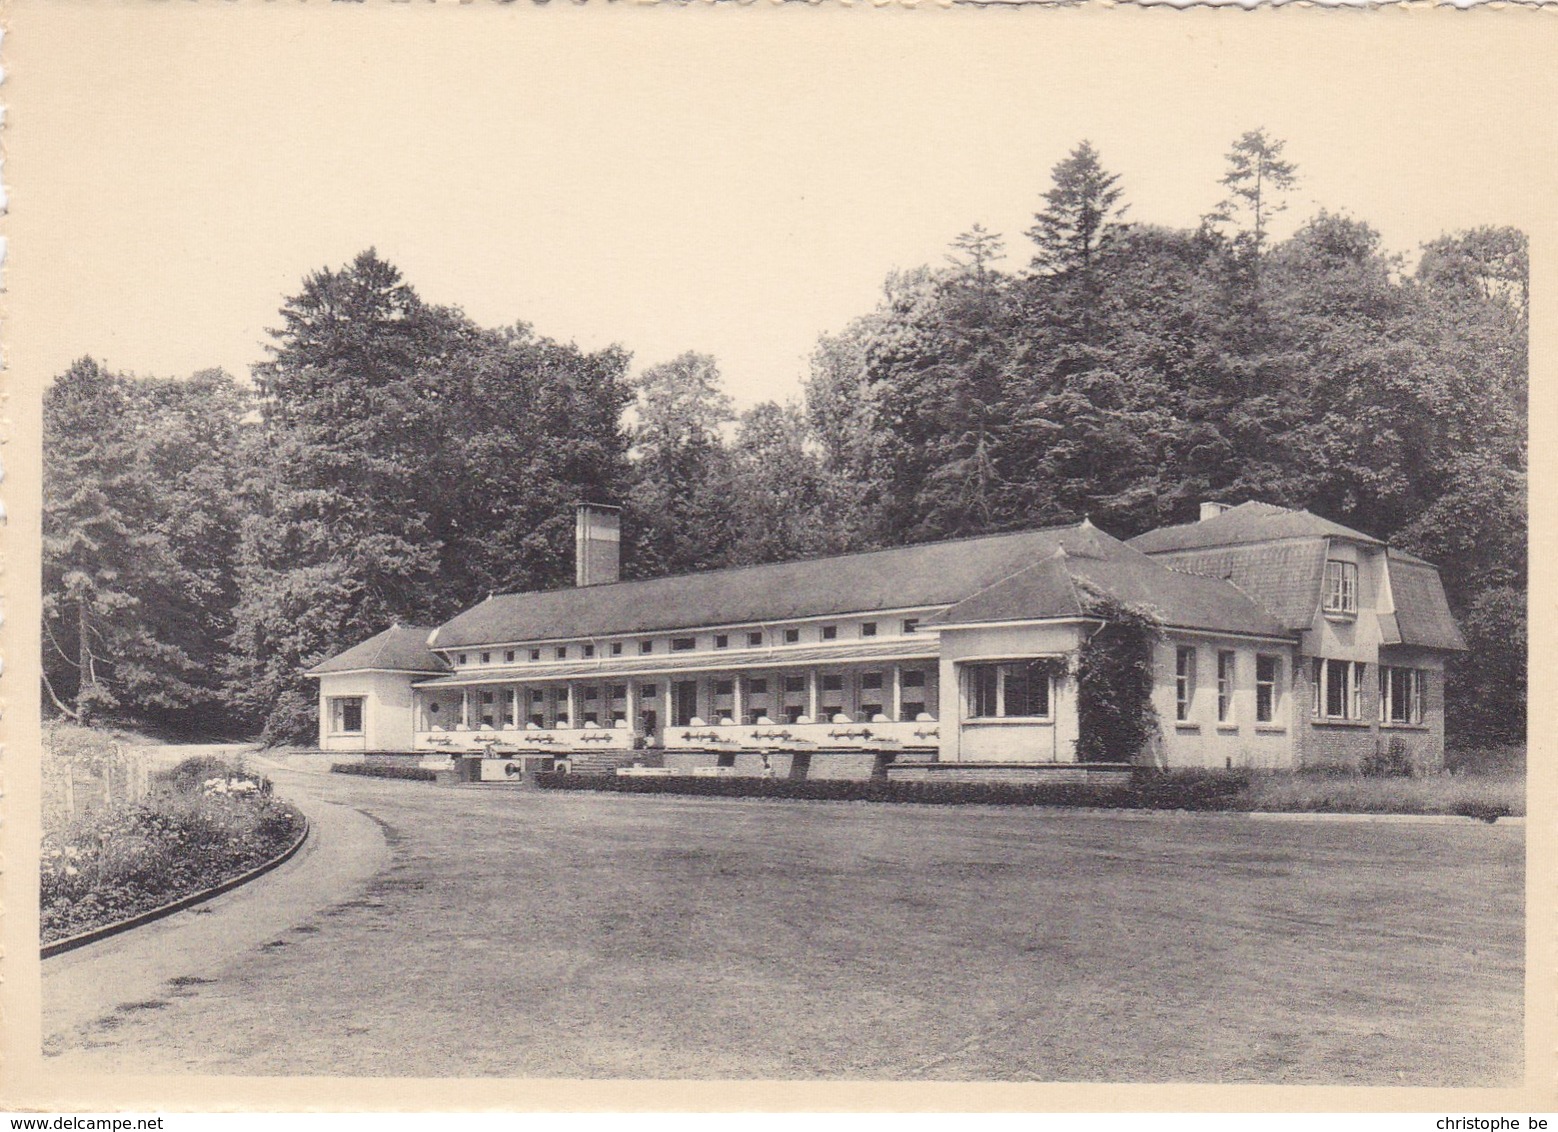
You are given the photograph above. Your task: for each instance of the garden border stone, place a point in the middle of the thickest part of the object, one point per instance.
(70, 943)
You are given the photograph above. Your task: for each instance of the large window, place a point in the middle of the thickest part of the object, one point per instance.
(346, 715)
(1401, 694)
(1268, 674)
(1184, 682)
(1017, 689)
(1226, 667)
(1338, 688)
(1341, 587)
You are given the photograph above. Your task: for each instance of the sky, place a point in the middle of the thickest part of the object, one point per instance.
(729, 181)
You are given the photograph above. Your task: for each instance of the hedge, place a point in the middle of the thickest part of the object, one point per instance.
(1192, 790)
(367, 770)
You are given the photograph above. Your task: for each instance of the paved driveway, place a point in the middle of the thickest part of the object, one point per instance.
(466, 932)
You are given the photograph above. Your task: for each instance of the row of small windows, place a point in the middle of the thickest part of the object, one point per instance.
(784, 699)
(1268, 683)
(754, 639)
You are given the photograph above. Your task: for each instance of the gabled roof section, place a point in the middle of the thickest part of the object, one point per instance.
(1423, 615)
(400, 648)
(1059, 587)
(1246, 523)
(906, 577)
(1284, 577)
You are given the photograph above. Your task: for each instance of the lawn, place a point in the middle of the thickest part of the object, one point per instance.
(542, 933)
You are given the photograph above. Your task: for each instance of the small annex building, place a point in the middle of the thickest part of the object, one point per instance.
(1286, 640)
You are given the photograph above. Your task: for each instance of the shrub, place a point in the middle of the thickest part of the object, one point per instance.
(190, 776)
(1196, 790)
(1392, 760)
(367, 770)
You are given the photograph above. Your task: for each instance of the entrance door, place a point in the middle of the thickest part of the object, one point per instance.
(684, 694)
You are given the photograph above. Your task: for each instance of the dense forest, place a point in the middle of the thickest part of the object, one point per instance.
(206, 540)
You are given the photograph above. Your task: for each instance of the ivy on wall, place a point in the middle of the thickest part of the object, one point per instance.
(1115, 715)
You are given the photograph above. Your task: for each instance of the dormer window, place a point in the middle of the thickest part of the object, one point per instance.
(535, 654)
(486, 658)
(562, 652)
(462, 658)
(508, 657)
(589, 652)
(792, 636)
(1341, 587)
(830, 632)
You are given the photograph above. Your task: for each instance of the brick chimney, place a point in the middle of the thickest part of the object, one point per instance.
(1212, 510)
(597, 544)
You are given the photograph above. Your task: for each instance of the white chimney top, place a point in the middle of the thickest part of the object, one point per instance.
(1211, 510)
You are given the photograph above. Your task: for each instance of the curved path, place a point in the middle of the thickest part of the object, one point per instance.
(190, 948)
(505, 932)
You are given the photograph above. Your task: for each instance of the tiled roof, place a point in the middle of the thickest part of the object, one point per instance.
(1284, 577)
(1422, 613)
(400, 648)
(733, 660)
(1058, 587)
(907, 577)
(1246, 523)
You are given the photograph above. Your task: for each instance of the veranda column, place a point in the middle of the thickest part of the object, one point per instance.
(897, 692)
(736, 714)
(811, 694)
(573, 719)
(631, 707)
(465, 707)
(670, 702)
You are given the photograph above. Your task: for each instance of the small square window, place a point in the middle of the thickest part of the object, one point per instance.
(870, 681)
(792, 636)
(618, 691)
(868, 628)
(646, 647)
(830, 632)
(462, 658)
(648, 691)
(795, 684)
(616, 648)
(562, 652)
(754, 640)
(911, 624)
(486, 658)
(589, 651)
(758, 687)
(833, 682)
(914, 678)
(724, 687)
(591, 693)
(535, 654)
(721, 641)
(508, 657)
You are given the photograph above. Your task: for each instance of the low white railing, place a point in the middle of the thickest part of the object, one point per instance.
(527, 740)
(879, 735)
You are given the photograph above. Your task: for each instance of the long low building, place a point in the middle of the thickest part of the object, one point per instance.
(1283, 640)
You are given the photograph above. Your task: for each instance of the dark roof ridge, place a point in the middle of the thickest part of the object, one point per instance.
(791, 561)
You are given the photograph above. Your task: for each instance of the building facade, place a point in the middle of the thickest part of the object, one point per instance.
(1285, 641)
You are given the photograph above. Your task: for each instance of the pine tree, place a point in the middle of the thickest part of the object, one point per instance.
(1257, 180)
(1082, 215)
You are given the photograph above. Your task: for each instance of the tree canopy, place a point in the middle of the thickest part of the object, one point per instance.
(395, 462)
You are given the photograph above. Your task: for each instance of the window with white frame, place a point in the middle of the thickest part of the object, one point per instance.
(1341, 586)
(346, 715)
(1401, 694)
(1017, 689)
(1268, 675)
(1338, 688)
(1226, 666)
(1184, 682)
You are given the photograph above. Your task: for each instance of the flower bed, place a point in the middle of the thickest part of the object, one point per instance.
(200, 827)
